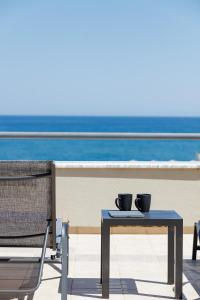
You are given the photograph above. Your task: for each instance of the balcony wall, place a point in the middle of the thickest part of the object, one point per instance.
(84, 188)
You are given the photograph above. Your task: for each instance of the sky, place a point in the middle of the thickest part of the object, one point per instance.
(100, 57)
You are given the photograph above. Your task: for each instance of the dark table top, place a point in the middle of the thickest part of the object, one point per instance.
(153, 217)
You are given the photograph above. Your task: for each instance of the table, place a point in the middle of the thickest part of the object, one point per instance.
(168, 218)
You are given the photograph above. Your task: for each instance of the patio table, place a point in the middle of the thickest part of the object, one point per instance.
(167, 218)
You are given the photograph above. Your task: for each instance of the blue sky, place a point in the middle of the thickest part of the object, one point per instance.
(103, 57)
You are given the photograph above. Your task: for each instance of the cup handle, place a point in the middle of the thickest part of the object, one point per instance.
(116, 203)
(137, 204)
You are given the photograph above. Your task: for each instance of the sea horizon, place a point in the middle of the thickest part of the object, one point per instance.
(77, 150)
(100, 116)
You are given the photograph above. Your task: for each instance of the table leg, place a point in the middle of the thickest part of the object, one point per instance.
(178, 260)
(170, 277)
(105, 260)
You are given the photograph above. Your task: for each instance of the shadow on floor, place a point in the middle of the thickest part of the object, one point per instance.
(191, 270)
(91, 287)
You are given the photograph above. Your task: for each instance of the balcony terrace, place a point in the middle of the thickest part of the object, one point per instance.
(138, 259)
(138, 269)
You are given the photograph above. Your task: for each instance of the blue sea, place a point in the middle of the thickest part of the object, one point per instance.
(99, 150)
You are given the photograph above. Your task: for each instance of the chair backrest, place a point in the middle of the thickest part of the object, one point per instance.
(27, 203)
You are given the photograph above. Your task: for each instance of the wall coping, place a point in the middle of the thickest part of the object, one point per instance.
(128, 164)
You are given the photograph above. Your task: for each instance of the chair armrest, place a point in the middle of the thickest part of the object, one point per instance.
(65, 229)
(61, 236)
(58, 230)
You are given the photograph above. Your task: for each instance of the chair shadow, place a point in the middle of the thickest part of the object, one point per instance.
(191, 270)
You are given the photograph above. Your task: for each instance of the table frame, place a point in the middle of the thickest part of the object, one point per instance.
(169, 219)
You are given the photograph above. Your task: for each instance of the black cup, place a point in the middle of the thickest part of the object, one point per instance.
(124, 201)
(143, 202)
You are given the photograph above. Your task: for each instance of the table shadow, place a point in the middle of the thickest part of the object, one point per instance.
(91, 287)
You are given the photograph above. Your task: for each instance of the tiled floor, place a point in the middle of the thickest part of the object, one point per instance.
(138, 270)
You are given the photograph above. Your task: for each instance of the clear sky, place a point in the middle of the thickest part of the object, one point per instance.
(100, 57)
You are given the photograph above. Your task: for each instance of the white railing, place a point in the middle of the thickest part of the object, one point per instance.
(99, 136)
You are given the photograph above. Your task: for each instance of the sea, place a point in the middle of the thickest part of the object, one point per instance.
(73, 150)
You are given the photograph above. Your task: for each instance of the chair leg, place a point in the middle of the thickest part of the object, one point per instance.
(64, 274)
(194, 250)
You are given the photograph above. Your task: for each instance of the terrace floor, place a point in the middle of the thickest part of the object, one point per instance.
(138, 270)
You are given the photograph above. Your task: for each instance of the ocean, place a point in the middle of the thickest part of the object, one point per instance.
(99, 150)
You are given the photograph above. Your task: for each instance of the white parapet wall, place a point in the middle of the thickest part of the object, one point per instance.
(84, 188)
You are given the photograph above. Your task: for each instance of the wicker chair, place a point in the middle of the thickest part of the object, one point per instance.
(28, 219)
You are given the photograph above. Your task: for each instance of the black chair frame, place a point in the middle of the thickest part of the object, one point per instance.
(196, 236)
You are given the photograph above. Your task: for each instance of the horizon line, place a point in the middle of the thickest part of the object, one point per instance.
(100, 116)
